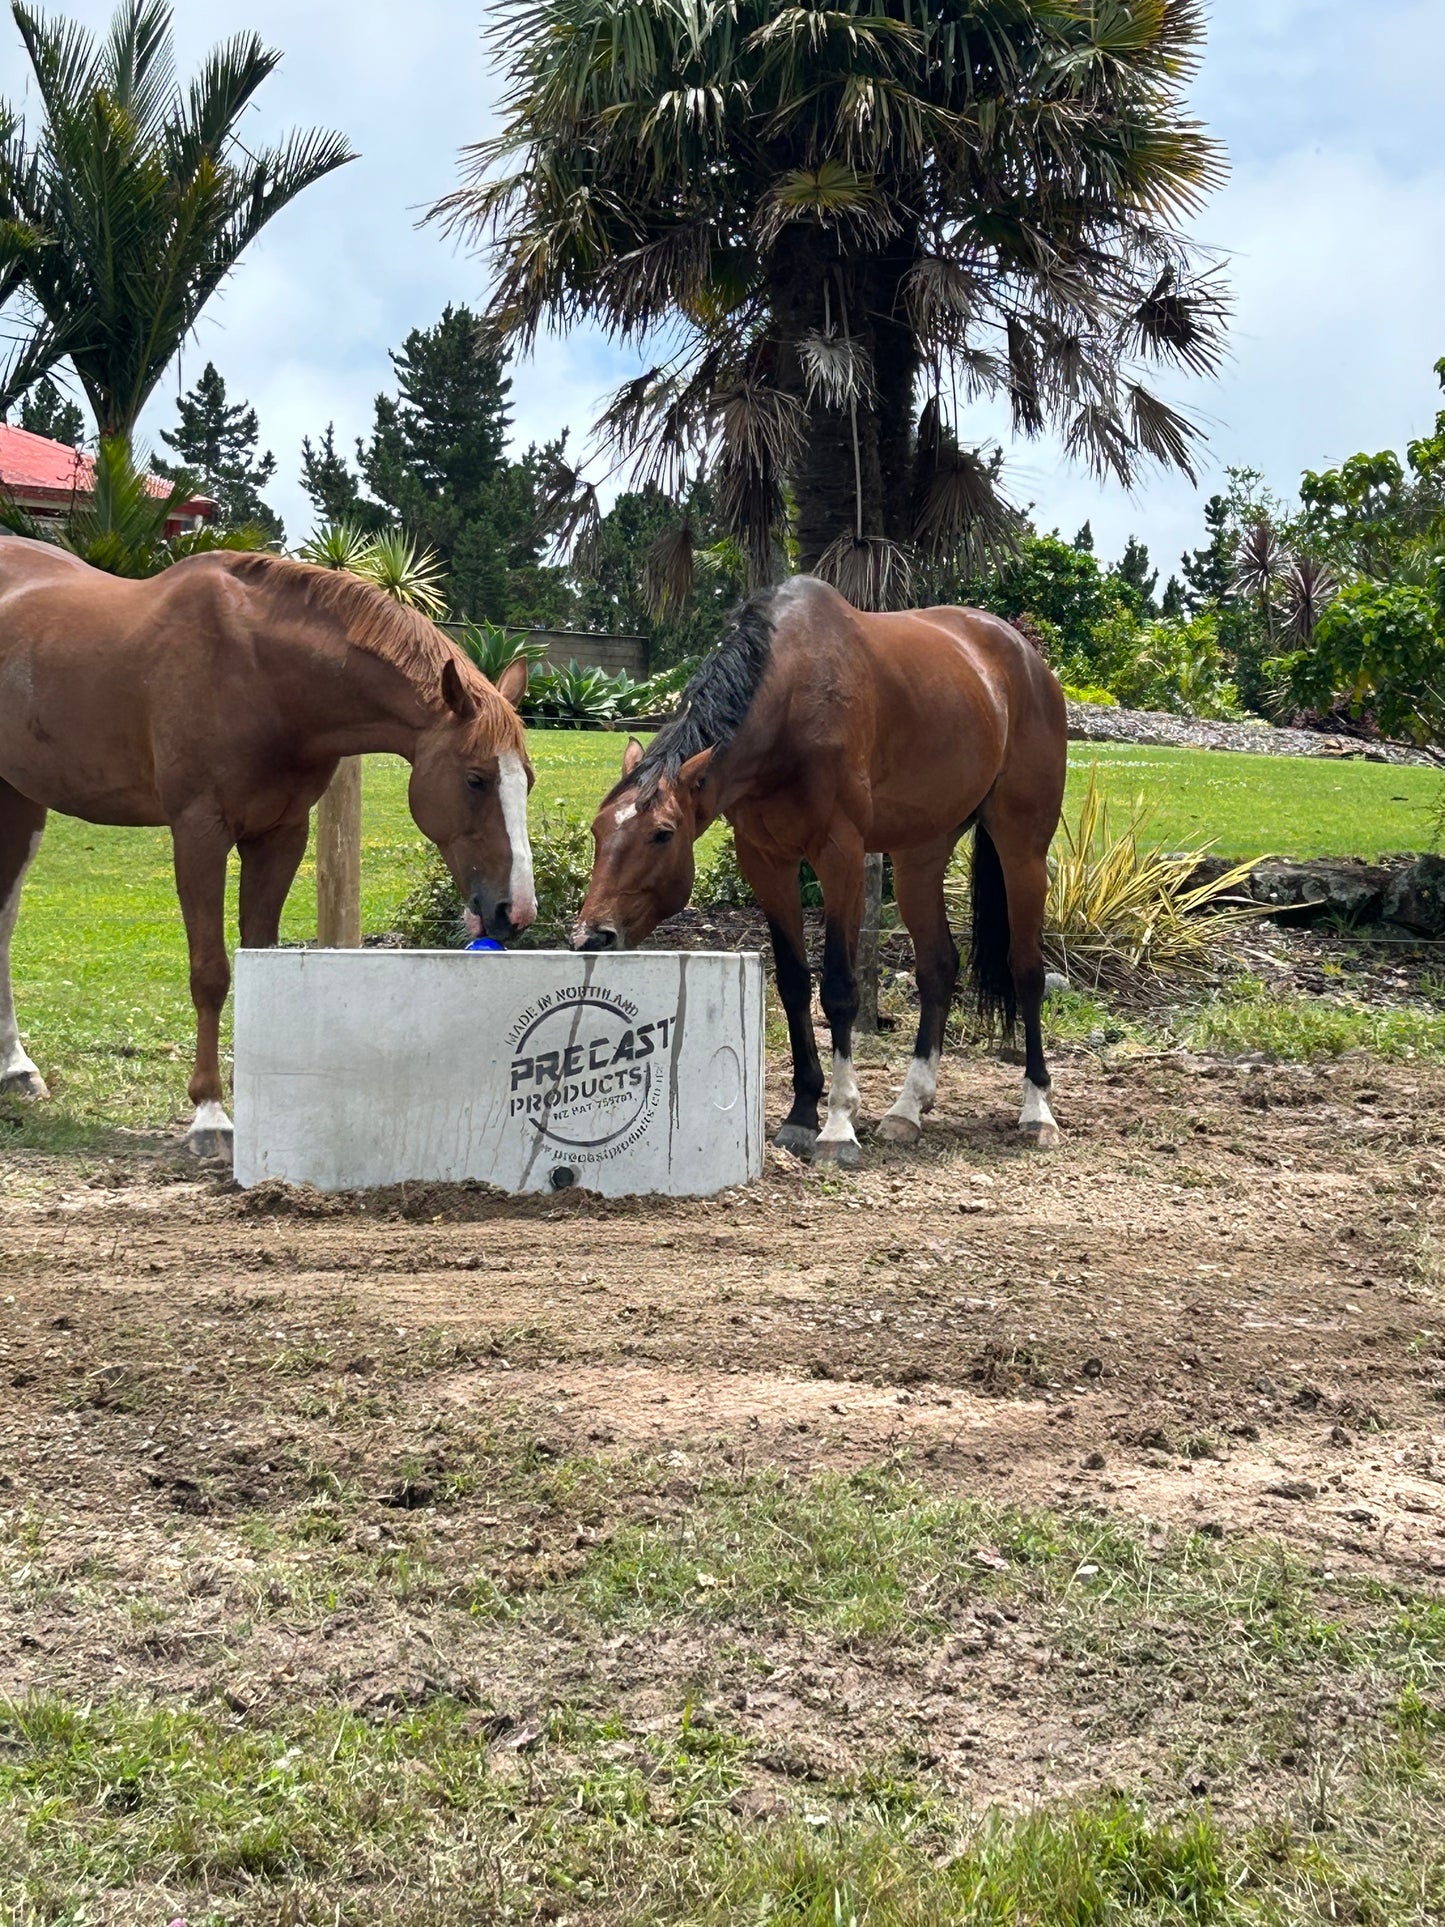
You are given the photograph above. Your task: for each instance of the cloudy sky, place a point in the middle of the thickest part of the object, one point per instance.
(1334, 224)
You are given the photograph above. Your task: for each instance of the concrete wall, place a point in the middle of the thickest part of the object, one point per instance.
(532, 1070)
(612, 653)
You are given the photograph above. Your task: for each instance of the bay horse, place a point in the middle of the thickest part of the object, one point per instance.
(825, 733)
(217, 699)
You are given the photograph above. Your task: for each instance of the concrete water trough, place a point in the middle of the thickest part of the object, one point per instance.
(531, 1071)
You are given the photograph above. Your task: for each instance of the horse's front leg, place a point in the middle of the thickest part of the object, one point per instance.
(200, 861)
(840, 871)
(21, 825)
(775, 885)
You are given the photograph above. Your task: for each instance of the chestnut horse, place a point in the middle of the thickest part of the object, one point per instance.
(823, 733)
(217, 698)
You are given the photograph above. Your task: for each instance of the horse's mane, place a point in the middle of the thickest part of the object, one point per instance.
(372, 620)
(716, 701)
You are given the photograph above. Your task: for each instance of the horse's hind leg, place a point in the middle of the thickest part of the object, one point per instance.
(21, 826)
(1026, 880)
(200, 860)
(918, 884)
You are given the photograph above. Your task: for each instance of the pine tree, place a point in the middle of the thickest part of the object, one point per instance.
(1084, 540)
(216, 442)
(1134, 578)
(437, 461)
(334, 488)
(1171, 603)
(45, 411)
(1209, 571)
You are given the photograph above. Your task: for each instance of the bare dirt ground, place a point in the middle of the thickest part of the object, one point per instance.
(225, 1417)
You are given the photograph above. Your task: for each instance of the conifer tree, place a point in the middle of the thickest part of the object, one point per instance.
(215, 440)
(45, 411)
(1136, 579)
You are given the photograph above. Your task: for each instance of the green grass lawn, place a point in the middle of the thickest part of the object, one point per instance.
(100, 954)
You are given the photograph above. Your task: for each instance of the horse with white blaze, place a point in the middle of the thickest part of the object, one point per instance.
(824, 733)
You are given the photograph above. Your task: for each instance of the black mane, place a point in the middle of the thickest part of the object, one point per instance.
(715, 702)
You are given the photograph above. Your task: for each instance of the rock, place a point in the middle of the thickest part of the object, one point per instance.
(1415, 896)
(1339, 1436)
(1300, 1489)
(1305, 892)
(1095, 1462)
(1093, 1368)
(1055, 983)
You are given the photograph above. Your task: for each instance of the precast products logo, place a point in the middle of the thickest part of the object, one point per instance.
(588, 1071)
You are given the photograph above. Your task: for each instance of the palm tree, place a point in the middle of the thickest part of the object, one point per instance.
(129, 202)
(1260, 568)
(831, 212)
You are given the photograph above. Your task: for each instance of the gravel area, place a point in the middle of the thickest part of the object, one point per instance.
(1094, 723)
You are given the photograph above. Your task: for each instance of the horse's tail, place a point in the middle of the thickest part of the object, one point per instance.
(988, 964)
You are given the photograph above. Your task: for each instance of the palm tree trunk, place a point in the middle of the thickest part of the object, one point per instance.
(838, 481)
(896, 365)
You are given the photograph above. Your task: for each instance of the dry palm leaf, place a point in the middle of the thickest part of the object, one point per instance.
(869, 571)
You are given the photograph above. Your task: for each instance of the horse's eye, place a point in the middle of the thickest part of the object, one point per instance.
(662, 836)
(475, 782)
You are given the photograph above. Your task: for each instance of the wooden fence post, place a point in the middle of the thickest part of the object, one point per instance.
(868, 944)
(338, 860)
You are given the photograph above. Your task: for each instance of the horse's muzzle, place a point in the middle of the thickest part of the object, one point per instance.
(596, 936)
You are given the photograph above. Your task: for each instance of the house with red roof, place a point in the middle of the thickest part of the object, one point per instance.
(49, 479)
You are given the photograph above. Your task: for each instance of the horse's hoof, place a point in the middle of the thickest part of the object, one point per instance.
(894, 1129)
(796, 1138)
(29, 1085)
(842, 1151)
(211, 1142)
(1041, 1137)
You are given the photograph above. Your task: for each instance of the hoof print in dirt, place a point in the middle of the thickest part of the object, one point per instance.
(797, 1139)
(843, 1152)
(898, 1130)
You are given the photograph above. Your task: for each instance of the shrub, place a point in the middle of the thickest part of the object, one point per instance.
(1380, 645)
(1170, 665)
(493, 649)
(1121, 913)
(429, 917)
(720, 884)
(1090, 693)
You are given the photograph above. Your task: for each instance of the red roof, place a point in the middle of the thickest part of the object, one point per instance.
(33, 467)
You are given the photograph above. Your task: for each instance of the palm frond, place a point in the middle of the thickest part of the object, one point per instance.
(961, 513)
(869, 571)
(669, 569)
(1160, 431)
(1260, 562)
(838, 368)
(570, 514)
(831, 195)
(1308, 588)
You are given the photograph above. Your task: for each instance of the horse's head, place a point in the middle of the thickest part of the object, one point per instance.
(469, 782)
(643, 867)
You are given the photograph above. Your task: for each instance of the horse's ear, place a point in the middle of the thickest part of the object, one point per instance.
(512, 683)
(693, 773)
(631, 756)
(455, 694)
